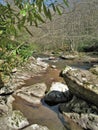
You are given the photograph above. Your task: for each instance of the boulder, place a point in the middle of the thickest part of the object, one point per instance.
(58, 93)
(82, 83)
(55, 97)
(33, 93)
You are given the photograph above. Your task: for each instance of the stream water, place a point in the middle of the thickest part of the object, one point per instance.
(44, 114)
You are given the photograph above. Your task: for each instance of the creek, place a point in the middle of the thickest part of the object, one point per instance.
(45, 114)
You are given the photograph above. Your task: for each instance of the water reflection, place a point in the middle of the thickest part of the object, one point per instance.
(67, 123)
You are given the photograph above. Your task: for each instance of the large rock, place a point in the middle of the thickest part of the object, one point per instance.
(82, 83)
(58, 93)
(33, 93)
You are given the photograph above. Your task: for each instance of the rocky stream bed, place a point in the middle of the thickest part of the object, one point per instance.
(40, 96)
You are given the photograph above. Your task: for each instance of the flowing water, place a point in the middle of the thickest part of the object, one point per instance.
(44, 114)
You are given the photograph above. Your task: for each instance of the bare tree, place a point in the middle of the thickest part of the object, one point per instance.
(77, 24)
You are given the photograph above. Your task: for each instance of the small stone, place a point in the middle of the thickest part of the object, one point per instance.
(53, 66)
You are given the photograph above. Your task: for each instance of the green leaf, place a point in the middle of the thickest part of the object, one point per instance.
(12, 29)
(49, 15)
(45, 10)
(39, 18)
(40, 5)
(1, 32)
(14, 53)
(23, 20)
(66, 2)
(19, 26)
(23, 12)
(30, 17)
(58, 10)
(54, 9)
(36, 24)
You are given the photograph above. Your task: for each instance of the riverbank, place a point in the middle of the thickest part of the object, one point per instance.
(33, 72)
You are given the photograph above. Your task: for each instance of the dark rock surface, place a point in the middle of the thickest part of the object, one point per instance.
(78, 105)
(55, 97)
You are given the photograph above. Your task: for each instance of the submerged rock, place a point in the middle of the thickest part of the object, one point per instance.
(82, 83)
(33, 93)
(36, 127)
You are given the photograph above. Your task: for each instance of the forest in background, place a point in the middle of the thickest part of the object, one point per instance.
(72, 30)
(75, 28)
